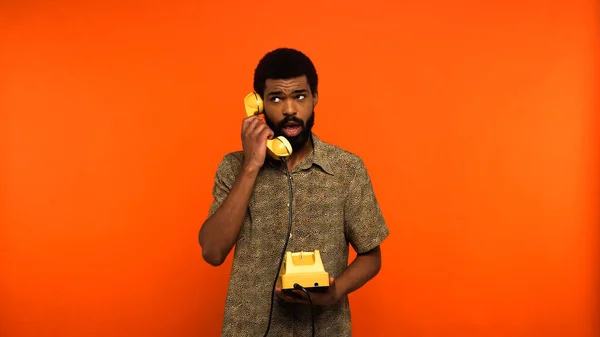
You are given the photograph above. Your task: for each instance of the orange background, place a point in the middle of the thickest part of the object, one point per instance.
(475, 120)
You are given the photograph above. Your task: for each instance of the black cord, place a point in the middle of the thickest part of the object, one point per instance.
(312, 314)
(287, 238)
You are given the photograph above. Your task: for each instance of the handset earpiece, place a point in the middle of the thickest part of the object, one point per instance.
(254, 104)
(278, 147)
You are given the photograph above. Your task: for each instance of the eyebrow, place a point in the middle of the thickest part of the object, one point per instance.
(279, 92)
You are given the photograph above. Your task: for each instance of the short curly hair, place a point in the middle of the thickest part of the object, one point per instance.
(284, 63)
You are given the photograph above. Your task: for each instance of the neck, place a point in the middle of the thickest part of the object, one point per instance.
(298, 156)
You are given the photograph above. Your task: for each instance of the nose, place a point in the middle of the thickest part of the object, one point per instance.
(289, 108)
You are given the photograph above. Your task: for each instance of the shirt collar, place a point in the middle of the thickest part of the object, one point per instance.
(320, 155)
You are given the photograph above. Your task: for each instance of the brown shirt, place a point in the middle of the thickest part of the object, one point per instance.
(333, 205)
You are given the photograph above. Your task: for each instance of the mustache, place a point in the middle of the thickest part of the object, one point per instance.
(290, 119)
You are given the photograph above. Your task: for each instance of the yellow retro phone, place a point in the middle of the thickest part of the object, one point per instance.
(304, 269)
(278, 147)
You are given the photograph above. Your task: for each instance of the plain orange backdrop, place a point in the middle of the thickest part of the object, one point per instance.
(475, 119)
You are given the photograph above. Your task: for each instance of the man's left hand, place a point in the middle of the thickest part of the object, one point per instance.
(331, 296)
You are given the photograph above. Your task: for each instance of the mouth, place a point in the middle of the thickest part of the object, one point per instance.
(291, 129)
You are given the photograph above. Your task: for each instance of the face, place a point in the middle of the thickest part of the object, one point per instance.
(289, 109)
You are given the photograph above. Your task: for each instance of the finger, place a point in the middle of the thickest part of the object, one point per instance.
(283, 295)
(256, 128)
(250, 124)
(249, 133)
(259, 133)
(265, 132)
(250, 121)
(279, 293)
(247, 121)
(301, 297)
(288, 298)
(300, 293)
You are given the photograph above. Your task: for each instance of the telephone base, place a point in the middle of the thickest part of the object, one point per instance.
(315, 281)
(305, 269)
(310, 289)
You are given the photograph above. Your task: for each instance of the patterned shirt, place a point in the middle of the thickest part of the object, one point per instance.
(333, 205)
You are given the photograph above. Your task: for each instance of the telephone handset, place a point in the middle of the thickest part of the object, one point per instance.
(277, 147)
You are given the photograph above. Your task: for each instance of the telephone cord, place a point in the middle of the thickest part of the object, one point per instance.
(287, 237)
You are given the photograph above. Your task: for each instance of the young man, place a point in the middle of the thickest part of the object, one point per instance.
(333, 205)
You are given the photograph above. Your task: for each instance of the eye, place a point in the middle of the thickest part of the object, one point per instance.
(275, 99)
(301, 97)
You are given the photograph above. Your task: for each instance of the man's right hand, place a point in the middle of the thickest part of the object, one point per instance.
(255, 133)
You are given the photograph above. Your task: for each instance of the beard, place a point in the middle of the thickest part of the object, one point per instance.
(298, 141)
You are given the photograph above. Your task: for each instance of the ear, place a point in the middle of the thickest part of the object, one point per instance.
(315, 99)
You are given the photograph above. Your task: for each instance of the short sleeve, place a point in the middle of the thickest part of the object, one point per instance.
(364, 223)
(223, 182)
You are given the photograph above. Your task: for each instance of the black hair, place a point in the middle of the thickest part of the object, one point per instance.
(284, 63)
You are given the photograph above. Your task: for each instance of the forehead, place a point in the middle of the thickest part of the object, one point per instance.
(286, 85)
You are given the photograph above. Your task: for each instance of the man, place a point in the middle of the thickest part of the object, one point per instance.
(333, 205)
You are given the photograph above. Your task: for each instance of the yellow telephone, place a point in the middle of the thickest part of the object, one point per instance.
(278, 147)
(305, 269)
